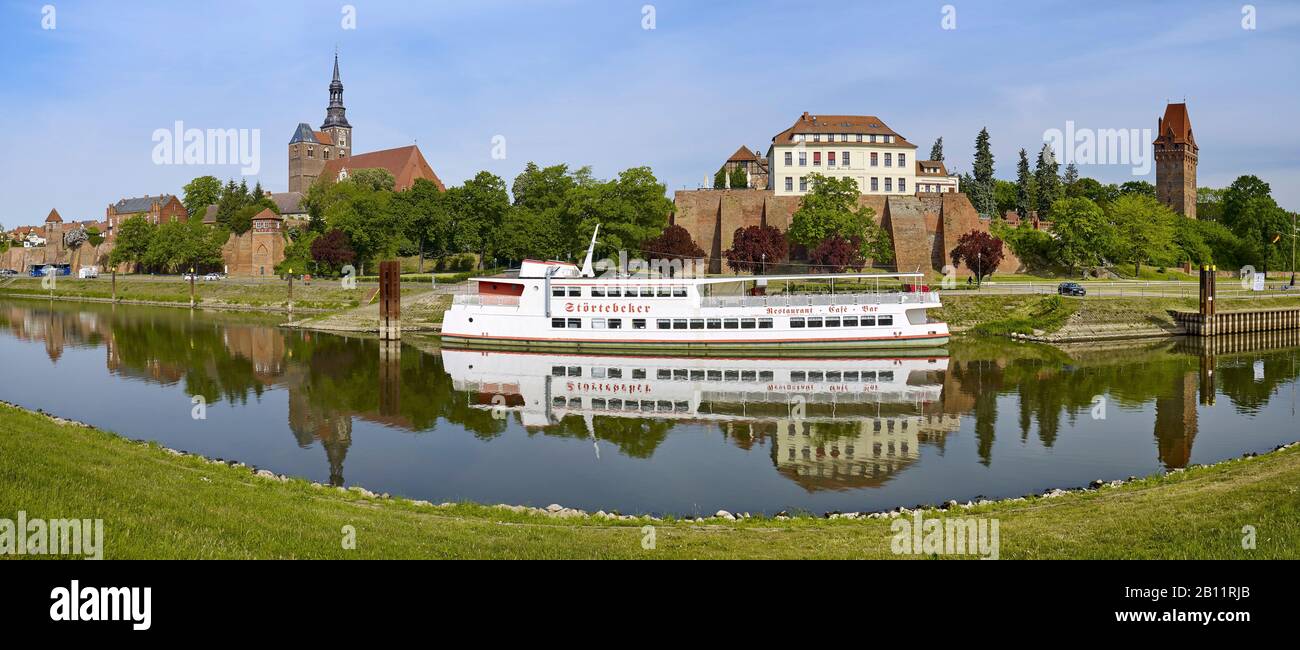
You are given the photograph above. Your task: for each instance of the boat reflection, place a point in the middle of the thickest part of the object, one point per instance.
(831, 423)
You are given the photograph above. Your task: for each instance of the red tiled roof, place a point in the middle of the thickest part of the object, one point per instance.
(849, 124)
(267, 213)
(405, 164)
(54, 217)
(743, 154)
(1176, 125)
(922, 164)
(323, 137)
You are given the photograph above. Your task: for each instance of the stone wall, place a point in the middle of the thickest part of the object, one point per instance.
(253, 254)
(924, 227)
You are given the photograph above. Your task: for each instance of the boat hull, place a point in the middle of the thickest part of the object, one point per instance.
(913, 343)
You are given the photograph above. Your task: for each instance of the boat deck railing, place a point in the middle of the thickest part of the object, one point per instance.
(820, 299)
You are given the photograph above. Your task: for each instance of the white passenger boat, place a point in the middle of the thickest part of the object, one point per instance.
(557, 305)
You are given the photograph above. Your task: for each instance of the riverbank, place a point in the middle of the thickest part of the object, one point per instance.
(161, 504)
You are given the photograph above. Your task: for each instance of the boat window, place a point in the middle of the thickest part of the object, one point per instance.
(868, 321)
(616, 323)
(885, 321)
(697, 375)
(664, 324)
(850, 321)
(766, 375)
(833, 322)
(834, 376)
(597, 403)
(765, 323)
(638, 323)
(680, 375)
(614, 373)
(557, 322)
(681, 407)
(679, 292)
(663, 373)
(886, 375)
(814, 322)
(575, 402)
(798, 375)
(697, 323)
(647, 405)
(558, 292)
(630, 405)
(664, 292)
(868, 375)
(638, 373)
(557, 371)
(715, 375)
(815, 376)
(796, 322)
(597, 373)
(615, 404)
(748, 375)
(665, 406)
(597, 292)
(613, 292)
(731, 324)
(679, 323)
(575, 292)
(575, 371)
(731, 375)
(647, 292)
(748, 323)
(851, 375)
(715, 323)
(558, 402)
(575, 323)
(598, 323)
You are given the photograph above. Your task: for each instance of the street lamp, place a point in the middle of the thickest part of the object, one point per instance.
(979, 269)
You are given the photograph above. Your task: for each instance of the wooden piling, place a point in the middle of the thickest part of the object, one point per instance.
(390, 301)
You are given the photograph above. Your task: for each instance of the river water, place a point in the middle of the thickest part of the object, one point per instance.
(643, 434)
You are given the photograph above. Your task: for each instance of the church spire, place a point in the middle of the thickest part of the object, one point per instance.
(336, 114)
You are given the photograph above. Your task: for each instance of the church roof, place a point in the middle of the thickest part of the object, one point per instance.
(54, 217)
(406, 164)
(1176, 125)
(742, 154)
(288, 202)
(303, 134)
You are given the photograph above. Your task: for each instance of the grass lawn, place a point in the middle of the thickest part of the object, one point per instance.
(158, 505)
(321, 294)
(1003, 314)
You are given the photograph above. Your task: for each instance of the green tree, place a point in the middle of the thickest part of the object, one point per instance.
(1250, 212)
(1047, 184)
(1083, 235)
(739, 179)
(830, 209)
(242, 220)
(1026, 193)
(200, 193)
(375, 179)
(720, 179)
(422, 212)
(1209, 204)
(478, 209)
(178, 246)
(936, 151)
(1144, 230)
(1142, 188)
(982, 188)
(134, 237)
(1004, 193)
(362, 212)
(1069, 178)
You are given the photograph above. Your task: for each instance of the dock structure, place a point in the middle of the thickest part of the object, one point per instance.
(1209, 321)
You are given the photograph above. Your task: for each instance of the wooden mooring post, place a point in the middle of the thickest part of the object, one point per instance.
(1208, 288)
(390, 301)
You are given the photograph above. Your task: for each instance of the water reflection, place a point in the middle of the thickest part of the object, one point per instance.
(991, 418)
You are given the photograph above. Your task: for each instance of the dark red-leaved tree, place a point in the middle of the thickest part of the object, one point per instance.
(836, 254)
(333, 249)
(980, 252)
(756, 248)
(674, 243)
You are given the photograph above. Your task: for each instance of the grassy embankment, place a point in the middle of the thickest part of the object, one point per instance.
(319, 295)
(159, 505)
(1030, 314)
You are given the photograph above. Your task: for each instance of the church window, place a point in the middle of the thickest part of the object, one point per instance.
(310, 153)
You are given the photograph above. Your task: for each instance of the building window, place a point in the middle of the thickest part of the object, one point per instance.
(844, 159)
(875, 159)
(875, 184)
(902, 160)
(830, 158)
(789, 158)
(873, 137)
(902, 185)
(859, 137)
(803, 183)
(889, 160)
(817, 158)
(803, 158)
(326, 154)
(789, 184)
(889, 185)
(310, 152)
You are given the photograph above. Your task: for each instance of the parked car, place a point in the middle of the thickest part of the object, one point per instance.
(212, 277)
(1071, 289)
(189, 276)
(7, 273)
(88, 272)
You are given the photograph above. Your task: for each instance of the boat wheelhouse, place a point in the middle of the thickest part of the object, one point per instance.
(558, 306)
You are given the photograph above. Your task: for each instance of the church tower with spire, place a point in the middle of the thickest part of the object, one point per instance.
(310, 151)
(1176, 156)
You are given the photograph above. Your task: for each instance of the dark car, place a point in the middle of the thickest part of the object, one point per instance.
(4, 273)
(1071, 289)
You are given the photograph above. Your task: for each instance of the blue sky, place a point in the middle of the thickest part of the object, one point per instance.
(582, 82)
